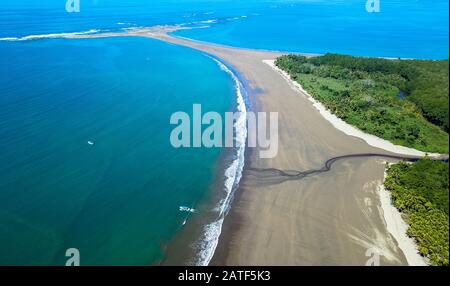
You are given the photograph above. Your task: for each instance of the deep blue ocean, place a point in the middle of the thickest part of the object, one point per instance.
(117, 201)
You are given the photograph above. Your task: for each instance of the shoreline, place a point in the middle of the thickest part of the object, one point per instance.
(397, 227)
(169, 30)
(204, 231)
(232, 173)
(264, 215)
(348, 129)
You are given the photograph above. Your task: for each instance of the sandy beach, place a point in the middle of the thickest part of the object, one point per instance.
(398, 228)
(333, 218)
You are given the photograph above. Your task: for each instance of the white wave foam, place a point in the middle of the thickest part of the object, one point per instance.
(125, 24)
(212, 21)
(208, 243)
(233, 174)
(48, 36)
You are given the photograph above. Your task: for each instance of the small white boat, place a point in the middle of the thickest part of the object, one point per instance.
(92, 143)
(186, 209)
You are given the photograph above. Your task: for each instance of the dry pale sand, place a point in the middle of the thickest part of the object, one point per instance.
(329, 219)
(398, 228)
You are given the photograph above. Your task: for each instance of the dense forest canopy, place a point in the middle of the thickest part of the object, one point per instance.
(425, 81)
(366, 92)
(421, 192)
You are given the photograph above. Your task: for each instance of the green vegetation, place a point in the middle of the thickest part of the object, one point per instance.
(365, 93)
(420, 191)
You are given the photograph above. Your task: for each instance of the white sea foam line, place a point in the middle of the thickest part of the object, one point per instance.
(233, 174)
(398, 228)
(208, 21)
(211, 21)
(125, 23)
(49, 36)
(345, 127)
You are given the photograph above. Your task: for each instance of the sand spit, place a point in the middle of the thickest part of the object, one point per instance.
(326, 219)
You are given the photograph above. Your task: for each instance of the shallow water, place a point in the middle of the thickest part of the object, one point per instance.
(406, 29)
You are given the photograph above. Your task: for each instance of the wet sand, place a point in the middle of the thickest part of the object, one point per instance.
(332, 218)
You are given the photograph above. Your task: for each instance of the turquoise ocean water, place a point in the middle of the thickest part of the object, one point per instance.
(117, 201)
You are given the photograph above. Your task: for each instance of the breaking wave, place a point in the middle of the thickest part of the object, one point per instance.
(233, 173)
